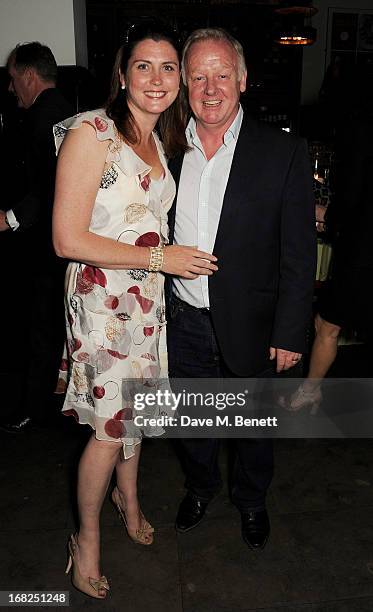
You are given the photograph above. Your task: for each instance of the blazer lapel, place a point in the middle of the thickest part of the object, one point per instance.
(242, 172)
(235, 198)
(175, 166)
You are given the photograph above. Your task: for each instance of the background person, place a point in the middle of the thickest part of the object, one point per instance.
(33, 284)
(343, 302)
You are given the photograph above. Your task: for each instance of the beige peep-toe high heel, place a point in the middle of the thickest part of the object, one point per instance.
(303, 399)
(142, 535)
(94, 587)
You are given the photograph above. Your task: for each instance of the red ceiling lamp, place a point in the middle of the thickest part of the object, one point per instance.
(296, 26)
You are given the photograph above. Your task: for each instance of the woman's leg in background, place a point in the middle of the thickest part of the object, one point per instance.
(323, 353)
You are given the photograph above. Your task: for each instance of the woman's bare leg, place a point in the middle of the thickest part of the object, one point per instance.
(95, 469)
(323, 354)
(126, 471)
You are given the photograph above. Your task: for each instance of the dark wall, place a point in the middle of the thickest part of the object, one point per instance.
(274, 72)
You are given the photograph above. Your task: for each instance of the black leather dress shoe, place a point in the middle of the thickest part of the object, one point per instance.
(21, 426)
(255, 528)
(190, 514)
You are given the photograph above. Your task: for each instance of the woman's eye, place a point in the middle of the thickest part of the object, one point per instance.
(169, 68)
(142, 66)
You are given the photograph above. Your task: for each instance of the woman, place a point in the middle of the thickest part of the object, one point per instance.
(113, 190)
(343, 304)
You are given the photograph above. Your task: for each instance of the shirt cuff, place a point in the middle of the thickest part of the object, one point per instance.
(12, 220)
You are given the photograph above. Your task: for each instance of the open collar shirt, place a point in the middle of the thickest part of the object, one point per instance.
(199, 203)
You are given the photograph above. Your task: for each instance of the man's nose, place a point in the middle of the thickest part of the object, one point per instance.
(210, 86)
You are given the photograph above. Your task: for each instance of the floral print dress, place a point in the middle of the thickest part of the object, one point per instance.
(115, 319)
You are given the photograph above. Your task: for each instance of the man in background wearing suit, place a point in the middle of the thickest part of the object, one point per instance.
(245, 195)
(33, 289)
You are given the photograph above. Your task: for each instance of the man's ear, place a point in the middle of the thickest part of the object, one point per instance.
(243, 82)
(30, 75)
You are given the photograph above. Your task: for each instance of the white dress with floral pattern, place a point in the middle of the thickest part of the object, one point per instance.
(116, 318)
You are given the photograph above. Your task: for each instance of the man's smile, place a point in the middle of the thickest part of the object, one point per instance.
(211, 103)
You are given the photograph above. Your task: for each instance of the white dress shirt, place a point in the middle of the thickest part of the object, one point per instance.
(12, 220)
(199, 202)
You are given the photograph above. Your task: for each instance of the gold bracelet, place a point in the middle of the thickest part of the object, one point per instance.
(156, 259)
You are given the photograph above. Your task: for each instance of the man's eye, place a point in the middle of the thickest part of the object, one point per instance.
(223, 76)
(199, 78)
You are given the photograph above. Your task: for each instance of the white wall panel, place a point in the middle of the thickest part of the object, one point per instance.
(51, 22)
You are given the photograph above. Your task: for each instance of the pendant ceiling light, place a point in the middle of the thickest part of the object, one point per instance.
(296, 28)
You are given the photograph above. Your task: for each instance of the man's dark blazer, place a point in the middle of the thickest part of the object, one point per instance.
(33, 273)
(261, 295)
(31, 198)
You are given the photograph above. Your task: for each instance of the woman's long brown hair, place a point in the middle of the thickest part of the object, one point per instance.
(171, 123)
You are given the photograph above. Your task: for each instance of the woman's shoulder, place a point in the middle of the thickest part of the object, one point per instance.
(98, 119)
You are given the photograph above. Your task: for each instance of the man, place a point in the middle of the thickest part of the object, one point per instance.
(244, 194)
(34, 275)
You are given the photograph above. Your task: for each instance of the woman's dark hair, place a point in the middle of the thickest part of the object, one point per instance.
(171, 123)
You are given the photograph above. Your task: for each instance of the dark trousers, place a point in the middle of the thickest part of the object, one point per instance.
(46, 340)
(193, 352)
(34, 338)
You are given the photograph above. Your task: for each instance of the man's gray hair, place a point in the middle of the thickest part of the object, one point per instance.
(213, 34)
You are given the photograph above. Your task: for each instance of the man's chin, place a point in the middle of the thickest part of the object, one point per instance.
(209, 120)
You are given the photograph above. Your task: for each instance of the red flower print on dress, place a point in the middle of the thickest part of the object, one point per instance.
(84, 286)
(64, 365)
(94, 275)
(114, 429)
(117, 354)
(83, 357)
(124, 415)
(150, 239)
(148, 331)
(145, 182)
(145, 304)
(134, 289)
(111, 302)
(104, 361)
(73, 413)
(101, 124)
(148, 356)
(99, 392)
(61, 387)
(127, 414)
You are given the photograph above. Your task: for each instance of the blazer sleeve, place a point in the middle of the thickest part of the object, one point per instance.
(297, 255)
(36, 205)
